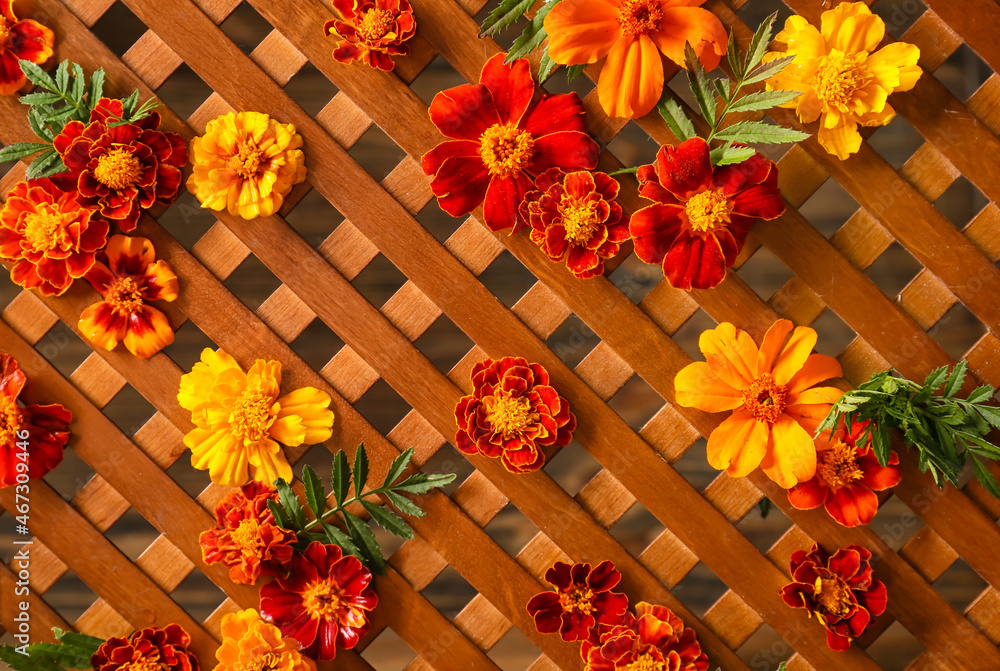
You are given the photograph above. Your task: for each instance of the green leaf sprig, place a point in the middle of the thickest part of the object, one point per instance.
(509, 12)
(359, 540)
(946, 431)
(73, 651)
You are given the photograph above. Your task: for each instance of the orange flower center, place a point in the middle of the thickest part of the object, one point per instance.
(838, 77)
(124, 295)
(118, 169)
(322, 600)
(506, 149)
(646, 662)
(708, 211)
(247, 537)
(765, 398)
(268, 662)
(375, 24)
(579, 218)
(833, 595)
(251, 416)
(509, 415)
(578, 599)
(142, 664)
(640, 17)
(10, 420)
(838, 466)
(247, 162)
(44, 229)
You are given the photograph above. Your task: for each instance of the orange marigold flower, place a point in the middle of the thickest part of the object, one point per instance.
(839, 590)
(512, 414)
(246, 163)
(574, 216)
(128, 277)
(250, 643)
(20, 39)
(632, 34)
(771, 392)
(372, 31)
(847, 477)
(50, 234)
(47, 428)
(147, 650)
(583, 601)
(246, 537)
(654, 639)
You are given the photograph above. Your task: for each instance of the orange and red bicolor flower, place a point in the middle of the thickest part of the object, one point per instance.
(372, 31)
(246, 537)
(128, 277)
(323, 603)
(501, 139)
(512, 414)
(701, 215)
(574, 216)
(121, 170)
(582, 602)
(772, 394)
(20, 39)
(151, 648)
(48, 232)
(839, 590)
(847, 477)
(654, 639)
(46, 428)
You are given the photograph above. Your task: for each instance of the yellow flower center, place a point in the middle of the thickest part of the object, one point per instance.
(321, 600)
(247, 162)
(118, 169)
(506, 149)
(708, 211)
(646, 663)
(765, 398)
(508, 415)
(375, 24)
(142, 664)
(251, 417)
(247, 537)
(838, 77)
(10, 420)
(268, 662)
(578, 599)
(579, 218)
(44, 229)
(838, 466)
(833, 595)
(124, 295)
(640, 17)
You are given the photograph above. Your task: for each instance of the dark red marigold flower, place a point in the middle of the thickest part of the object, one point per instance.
(372, 31)
(583, 600)
(147, 650)
(654, 639)
(120, 170)
(323, 603)
(839, 590)
(47, 427)
(574, 216)
(501, 141)
(246, 537)
(701, 217)
(23, 39)
(512, 414)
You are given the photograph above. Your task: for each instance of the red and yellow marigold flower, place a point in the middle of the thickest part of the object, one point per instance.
(839, 590)
(20, 39)
(250, 643)
(632, 34)
(124, 169)
(512, 413)
(147, 650)
(847, 477)
(583, 601)
(501, 140)
(701, 215)
(50, 234)
(372, 31)
(772, 394)
(128, 277)
(246, 164)
(241, 423)
(843, 79)
(246, 537)
(574, 216)
(324, 603)
(43, 428)
(655, 639)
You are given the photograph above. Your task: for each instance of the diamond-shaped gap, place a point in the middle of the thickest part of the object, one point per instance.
(635, 278)
(438, 223)
(694, 466)
(189, 342)
(186, 219)
(310, 89)
(128, 410)
(893, 270)
(507, 278)
(899, 15)
(559, 83)
(449, 460)
(896, 142)
(379, 281)
(382, 406)
(8, 290)
(829, 207)
(754, 13)
(132, 534)
(514, 652)
(184, 91)
(765, 649)
(314, 218)
(961, 202)
(572, 467)
(186, 476)
(687, 335)
(252, 282)
(449, 592)
(636, 402)
(63, 348)
(633, 146)
(436, 77)
(699, 589)
(388, 652)
(572, 341)
(376, 153)
(963, 72)
(119, 28)
(836, 335)
(444, 344)
(636, 529)
(958, 331)
(764, 273)
(763, 531)
(70, 596)
(69, 477)
(511, 529)
(960, 585)
(198, 595)
(895, 649)
(895, 523)
(317, 344)
(245, 27)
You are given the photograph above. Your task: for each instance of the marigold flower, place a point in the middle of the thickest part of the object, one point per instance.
(501, 140)
(50, 234)
(654, 639)
(372, 31)
(121, 170)
(128, 277)
(840, 591)
(632, 34)
(847, 477)
(512, 414)
(324, 603)
(246, 537)
(574, 216)
(843, 79)
(250, 642)
(246, 163)
(771, 392)
(240, 421)
(701, 215)
(145, 650)
(583, 600)
(47, 427)
(20, 39)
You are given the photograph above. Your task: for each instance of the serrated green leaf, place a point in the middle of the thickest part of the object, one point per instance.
(79, 84)
(42, 163)
(723, 87)
(936, 379)
(546, 66)
(21, 662)
(758, 44)
(341, 540)
(703, 92)
(980, 394)
(14, 152)
(364, 538)
(397, 467)
(574, 71)
(730, 155)
(405, 505)
(128, 104)
(763, 100)
(37, 126)
(96, 89)
(881, 444)
(315, 492)
(419, 483)
(757, 132)
(986, 478)
(360, 470)
(532, 36)
(768, 69)
(280, 516)
(388, 520)
(53, 169)
(37, 76)
(733, 55)
(40, 98)
(291, 503)
(62, 76)
(506, 13)
(340, 477)
(956, 379)
(675, 118)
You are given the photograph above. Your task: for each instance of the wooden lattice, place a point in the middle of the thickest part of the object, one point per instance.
(442, 278)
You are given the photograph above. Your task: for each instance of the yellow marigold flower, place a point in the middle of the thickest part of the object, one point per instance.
(246, 163)
(250, 642)
(843, 80)
(240, 421)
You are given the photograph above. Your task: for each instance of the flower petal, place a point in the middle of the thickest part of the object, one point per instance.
(631, 80)
(738, 444)
(791, 454)
(511, 86)
(698, 387)
(464, 112)
(695, 26)
(582, 31)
